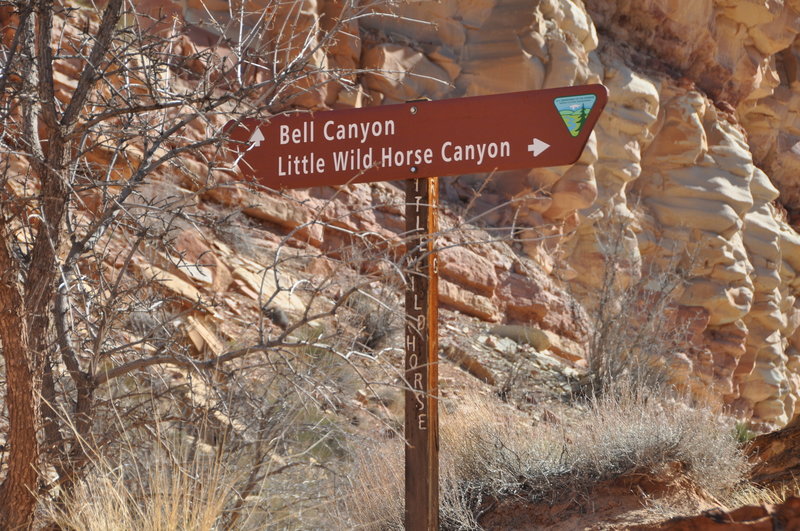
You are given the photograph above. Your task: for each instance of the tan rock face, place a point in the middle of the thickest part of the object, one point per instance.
(724, 46)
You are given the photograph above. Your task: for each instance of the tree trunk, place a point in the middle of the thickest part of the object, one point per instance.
(25, 303)
(18, 491)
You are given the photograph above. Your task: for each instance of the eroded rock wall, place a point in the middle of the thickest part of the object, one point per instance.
(708, 177)
(697, 150)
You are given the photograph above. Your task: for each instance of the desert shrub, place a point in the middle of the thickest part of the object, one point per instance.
(742, 432)
(636, 329)
(489, 451)
(374, 498)
(376, 320)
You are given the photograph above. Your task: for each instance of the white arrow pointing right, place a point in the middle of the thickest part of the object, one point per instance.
(537, 147)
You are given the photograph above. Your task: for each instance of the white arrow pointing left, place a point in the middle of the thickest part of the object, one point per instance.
(256, 138)
(537, 147)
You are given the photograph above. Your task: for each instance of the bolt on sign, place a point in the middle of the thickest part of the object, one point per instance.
(420, 141)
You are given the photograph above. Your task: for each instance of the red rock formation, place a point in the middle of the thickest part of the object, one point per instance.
(782, 516)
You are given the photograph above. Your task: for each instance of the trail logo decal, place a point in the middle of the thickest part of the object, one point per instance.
(574, 110)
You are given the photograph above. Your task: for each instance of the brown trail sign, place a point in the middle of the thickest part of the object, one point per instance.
(420, 139)
(414, 141)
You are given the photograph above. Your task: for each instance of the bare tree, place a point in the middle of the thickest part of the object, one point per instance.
(95, 104)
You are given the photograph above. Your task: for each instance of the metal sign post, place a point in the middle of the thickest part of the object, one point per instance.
(421, 362)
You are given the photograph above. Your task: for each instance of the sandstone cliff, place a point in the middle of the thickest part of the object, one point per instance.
(697, 147)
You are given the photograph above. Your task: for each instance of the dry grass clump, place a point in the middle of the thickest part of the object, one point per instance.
(156, 494)
(248, 452)
(489, 452)
(192, 487)
(374, 497)
(751, 494)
